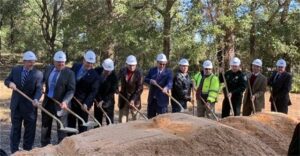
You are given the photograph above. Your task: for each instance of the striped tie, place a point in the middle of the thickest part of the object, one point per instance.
(24, 77)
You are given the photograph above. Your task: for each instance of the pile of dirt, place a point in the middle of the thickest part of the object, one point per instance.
(274, 129)
(168, 134)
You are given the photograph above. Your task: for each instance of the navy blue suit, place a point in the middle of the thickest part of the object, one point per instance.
(157, 100)
(86, 90)
(22, 109)
(280, 91)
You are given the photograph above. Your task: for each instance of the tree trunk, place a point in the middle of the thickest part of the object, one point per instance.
(252, 38)
(229, 38)
(167, 34)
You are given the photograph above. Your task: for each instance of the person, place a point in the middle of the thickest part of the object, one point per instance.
(182, 86)
(29, 80)
(87, 84)
(236, 83)
(255, 91)
(131, 87)
(108, 85)
(207, 90)
(294, 148)
(60, 85)
(281, 84)
(158, 100)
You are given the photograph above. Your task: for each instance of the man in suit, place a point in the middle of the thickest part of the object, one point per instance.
(281, 83)
(107, 88)
(60, 85)
(157, 99)
(131, 87)
(86, 89)
(29, 80)
(257, 84)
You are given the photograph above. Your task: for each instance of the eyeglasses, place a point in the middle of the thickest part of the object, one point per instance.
(162, 64)
(207, 68)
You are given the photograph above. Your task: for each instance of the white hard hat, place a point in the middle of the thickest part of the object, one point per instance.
(29, 56)
(161, 57)
(257, 62)
(131, 60)
(184, 62)
(108, 64)
(207, 64)
(281, 63)
(90, 56)
(235, 61)
(60, 56)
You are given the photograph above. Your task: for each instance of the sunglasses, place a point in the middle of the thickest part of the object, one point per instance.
(162, 64)
(207, 69)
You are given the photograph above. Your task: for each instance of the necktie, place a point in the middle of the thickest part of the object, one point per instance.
(52, 84)
(81, 73)
(276, 77)
(24, 77)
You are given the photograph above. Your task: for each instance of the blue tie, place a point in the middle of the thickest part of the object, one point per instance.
(52, 84)
(24, 77)
(81, 73)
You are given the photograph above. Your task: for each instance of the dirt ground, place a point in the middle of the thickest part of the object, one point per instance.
(5, 93)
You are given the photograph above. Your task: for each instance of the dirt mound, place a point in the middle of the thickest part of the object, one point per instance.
(169, 134)
(274, 129)
(279, 121)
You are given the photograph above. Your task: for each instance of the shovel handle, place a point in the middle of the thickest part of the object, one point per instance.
(226, 87)
(78, 102)
(40, 107)
(181, 108)
(207, 106)
(251, 94)
(123, 97)
(107, 117)
(67, 109)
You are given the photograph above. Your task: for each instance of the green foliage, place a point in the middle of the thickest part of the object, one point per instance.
(198, 29)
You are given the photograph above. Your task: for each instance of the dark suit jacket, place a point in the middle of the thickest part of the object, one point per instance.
(107, 88)
(281, 87)
(64, 88)
(131, 89)
(165, 79)
(32, 87)
(87, 86)
(258, 89)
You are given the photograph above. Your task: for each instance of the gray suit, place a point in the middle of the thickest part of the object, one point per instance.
(258, 90)
(21, 108)
(64, 91)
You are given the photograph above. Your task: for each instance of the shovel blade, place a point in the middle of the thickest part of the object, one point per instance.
(69, 130)
(89, 124)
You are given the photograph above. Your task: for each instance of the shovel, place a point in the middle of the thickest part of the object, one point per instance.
(123, 97)
(181, 108)
(86, 124)
(207, 106)
(251, 94)
(62, 128)
(274, 104)
(107, 117)
(229, 99)
(87, 111)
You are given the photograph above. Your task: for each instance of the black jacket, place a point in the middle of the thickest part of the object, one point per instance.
(182, 86)
(236, 82)
(281, 87)
(86, 87)
(107, 88)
